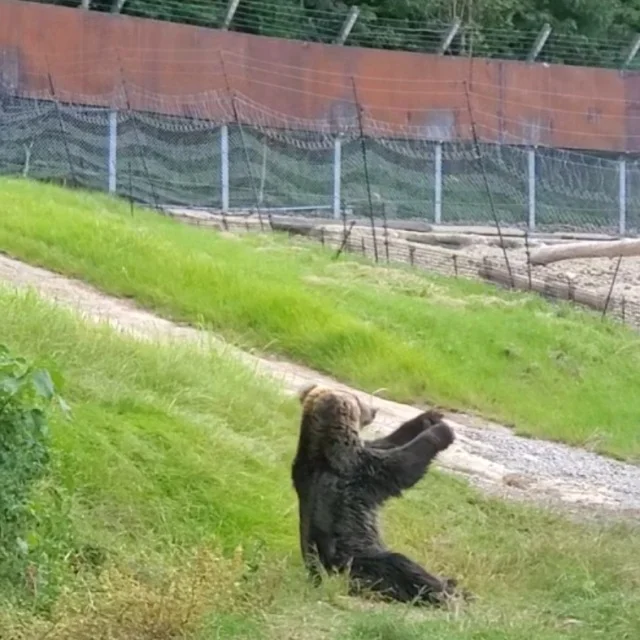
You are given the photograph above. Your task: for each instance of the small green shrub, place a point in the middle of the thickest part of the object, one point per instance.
(25, 394)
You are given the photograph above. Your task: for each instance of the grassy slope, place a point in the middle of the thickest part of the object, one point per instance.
(553, 372)
(173, 451)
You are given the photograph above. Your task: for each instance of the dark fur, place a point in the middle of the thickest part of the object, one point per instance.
(341, 482)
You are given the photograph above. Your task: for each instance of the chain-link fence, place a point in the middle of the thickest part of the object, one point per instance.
(198, 164)
(161, 160)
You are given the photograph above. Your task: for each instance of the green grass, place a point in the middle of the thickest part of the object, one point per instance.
(176, 465)
(552, 372)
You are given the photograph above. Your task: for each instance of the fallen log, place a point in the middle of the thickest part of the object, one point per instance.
(198, 221)
(596, 249)
(506, 243)
(549, 288)
(293, 227)
(409, 225)
(448, 240)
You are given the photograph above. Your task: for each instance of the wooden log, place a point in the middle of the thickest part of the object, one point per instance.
(596, 249)
(198, 222)
(409, 225)
(448, 240)
(506, 243)
(294, 227)
(549, 288)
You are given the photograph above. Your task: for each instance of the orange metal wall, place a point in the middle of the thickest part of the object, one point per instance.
(88, 54)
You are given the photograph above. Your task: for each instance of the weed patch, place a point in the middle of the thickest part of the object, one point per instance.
(25, 395)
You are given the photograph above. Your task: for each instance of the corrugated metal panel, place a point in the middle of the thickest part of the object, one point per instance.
(84, 52)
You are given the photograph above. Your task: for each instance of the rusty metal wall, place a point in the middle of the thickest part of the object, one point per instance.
(101, 59)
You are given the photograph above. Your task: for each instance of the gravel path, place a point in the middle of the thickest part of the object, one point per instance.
(488, 455)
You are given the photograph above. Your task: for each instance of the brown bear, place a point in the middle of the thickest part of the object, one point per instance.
(342, 481)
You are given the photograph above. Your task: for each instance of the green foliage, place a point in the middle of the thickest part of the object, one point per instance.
(25, 394)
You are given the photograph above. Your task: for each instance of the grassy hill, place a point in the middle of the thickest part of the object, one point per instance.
(551, 371)
(168, 513)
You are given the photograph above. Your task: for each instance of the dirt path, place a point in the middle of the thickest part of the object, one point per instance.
(488, 455)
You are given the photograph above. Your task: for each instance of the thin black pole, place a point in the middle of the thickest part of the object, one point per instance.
(526, 245)
(486, 184)
(366, 168)
(345, 239)
(343, 215)
(613, 281)
(137, 134)
(130, 189)
(62, 127)
(386, 231)
(244, 146)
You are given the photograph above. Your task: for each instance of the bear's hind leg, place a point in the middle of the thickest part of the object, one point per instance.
(396, 577)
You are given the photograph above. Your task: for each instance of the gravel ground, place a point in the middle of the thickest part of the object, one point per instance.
(490, 456)
(594, 274)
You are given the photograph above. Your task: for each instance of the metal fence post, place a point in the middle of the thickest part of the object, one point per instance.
(531, 173)
(337, 175)
(113, 150)
(224, 166)
(622, 196)
(437, 189)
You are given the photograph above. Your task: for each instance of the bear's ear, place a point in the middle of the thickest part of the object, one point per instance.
(433, 416)
(373, 412)
(367, 415)
(305, 391)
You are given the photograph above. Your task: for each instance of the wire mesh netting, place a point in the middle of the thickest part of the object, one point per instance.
(197, 163)
(191, 162)
(279, 169)
(168, 161)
